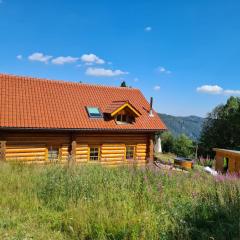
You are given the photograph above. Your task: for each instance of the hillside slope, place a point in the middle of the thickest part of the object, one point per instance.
(190, 126)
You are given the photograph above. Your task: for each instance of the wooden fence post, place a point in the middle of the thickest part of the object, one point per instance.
(2, 150)
(73, 150)
(219, 161)
(150, 150)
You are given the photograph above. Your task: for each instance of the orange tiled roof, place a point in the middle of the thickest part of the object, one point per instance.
(27, 102)
(114, 105)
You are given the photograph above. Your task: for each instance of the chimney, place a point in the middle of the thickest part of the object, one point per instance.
(151, 104)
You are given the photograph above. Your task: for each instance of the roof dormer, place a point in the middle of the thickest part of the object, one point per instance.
(123, 112)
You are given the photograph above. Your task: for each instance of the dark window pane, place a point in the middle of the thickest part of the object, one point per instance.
(124, 118)
(53, 154)
(119, 118)
(94, 153)
(130, 150)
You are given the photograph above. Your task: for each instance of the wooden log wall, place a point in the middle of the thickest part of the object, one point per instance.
(112, 153)
(25, 153)
(113, 147)
(26, 146)
(82, 153)
(231, 165)
(237, 164)
(141, 151)
(64, 153)
(219, 160)
(34, 147)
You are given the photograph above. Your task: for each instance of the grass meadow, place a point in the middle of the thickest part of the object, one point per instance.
(93, 202)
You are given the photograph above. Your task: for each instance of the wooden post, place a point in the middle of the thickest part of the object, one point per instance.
(46, 154)
(73, 150)
(150, 150)
(2, 150)
(219, 161)
(231, 165)
(237, 164)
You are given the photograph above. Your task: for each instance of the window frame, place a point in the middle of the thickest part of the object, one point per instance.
(52, 148)
(128, 119)
(89, 114)
(134, 152)
(89, 153)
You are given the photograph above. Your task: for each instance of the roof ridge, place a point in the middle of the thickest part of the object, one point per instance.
(62, 81)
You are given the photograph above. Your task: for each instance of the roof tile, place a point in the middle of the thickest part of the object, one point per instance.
(27, 102)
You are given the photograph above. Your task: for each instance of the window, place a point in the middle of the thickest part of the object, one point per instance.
(121, 118)
(94, 153)
(124, 119)
(53, 154)
(94, 112)
(130, 152)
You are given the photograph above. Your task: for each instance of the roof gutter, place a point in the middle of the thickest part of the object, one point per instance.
(79, 129)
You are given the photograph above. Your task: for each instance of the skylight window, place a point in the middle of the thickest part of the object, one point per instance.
(94, 112)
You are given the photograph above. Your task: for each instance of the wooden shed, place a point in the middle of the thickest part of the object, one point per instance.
(227, 160)
(46, 120)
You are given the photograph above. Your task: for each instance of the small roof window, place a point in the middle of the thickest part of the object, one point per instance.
(94, 112)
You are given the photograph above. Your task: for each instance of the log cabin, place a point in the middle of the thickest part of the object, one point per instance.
(227, 161)
(45, 121)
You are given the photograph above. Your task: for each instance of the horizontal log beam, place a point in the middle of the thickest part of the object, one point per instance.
(82, 152)
(113, 149)
(22, 154)
(81, 146)
(106, 152)
(25, 158)
(120, 156)
(112, 159)
(24, 150)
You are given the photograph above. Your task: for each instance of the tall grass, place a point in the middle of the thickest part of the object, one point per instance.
(93, 202)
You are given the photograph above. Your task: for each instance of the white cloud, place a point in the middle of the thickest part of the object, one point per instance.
(163, 70)
(39, 57)
(90, 59)
(157, 88)
(19, 57)
(62, 60)
(215, 89)
(102, 72)
(232, 92)
(89, 63)
(135, 79)
(210, 89)
(148, 29)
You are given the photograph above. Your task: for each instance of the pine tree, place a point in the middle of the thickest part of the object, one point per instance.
(123, 84)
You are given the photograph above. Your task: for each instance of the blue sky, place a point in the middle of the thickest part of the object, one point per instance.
(186, 54)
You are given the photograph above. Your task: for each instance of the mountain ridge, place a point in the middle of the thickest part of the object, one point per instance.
(191, 125)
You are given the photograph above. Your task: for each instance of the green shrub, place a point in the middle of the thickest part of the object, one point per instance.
(167, 142)
(181, 145)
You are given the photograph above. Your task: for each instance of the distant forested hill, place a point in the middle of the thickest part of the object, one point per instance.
(190, 126)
